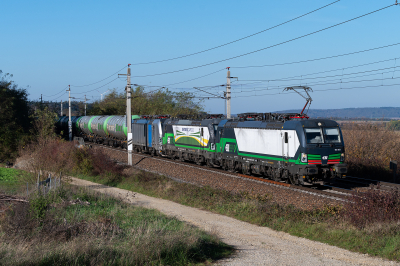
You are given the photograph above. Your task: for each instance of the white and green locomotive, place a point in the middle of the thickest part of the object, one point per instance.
(282, 147)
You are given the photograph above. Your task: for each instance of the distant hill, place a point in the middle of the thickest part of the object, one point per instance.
(349, 113)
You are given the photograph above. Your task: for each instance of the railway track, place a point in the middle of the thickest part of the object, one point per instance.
(351, 182)
(329, 192)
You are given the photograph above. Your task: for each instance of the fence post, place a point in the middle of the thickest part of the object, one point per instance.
(38, 180)
(393, 167)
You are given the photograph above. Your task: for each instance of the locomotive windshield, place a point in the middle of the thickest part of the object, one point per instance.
(331, 135)
(324, 135)
(314, 135)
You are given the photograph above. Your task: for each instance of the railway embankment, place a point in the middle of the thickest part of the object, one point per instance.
(282, 194)
(377, 235)
(71, 225)
(255, 245)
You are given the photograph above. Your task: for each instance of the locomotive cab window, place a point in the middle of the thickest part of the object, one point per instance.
(331, 135)
(313, 135)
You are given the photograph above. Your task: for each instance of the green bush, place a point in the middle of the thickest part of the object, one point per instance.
(77, 227)
(393, 125)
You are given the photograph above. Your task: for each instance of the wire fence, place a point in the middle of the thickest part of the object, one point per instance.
(45, 186)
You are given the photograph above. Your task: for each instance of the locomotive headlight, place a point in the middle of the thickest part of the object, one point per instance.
(342, 157)
(303, 158)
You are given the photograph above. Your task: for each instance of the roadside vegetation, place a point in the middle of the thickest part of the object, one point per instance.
(74, 226)
(369, 149)
(59, 229)
(371, 225)
(375, 232)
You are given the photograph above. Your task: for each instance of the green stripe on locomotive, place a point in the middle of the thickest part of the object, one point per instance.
(223, 141)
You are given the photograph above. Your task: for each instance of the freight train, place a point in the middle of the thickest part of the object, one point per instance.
(282, 147)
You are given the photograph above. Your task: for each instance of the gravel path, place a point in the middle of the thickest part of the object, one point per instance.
(206, 177)
(255, 245)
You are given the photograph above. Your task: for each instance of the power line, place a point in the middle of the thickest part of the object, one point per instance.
(341, 78)
(243, 38)
(346, 74)
(208, 92)
(322, 58)
(194, 78)
(268, 47)
(374, 86)
(313, 84)
(59, 96)
(56, 93)
(99, 80)
(333, 70)
(95, 88)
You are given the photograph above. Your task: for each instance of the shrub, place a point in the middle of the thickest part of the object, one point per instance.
(369, 149)
(56, 155)
(372, 206)
(393, 125)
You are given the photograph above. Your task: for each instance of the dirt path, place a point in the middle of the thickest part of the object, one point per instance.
(256, 245)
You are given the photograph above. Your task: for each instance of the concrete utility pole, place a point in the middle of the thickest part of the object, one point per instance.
(61, 109)
(228, 94)
(69, 113)
(128, 114)
(85, 105)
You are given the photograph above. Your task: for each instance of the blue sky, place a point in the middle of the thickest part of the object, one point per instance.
(48, 45)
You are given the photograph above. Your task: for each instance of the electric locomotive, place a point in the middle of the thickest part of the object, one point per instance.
(283, 147)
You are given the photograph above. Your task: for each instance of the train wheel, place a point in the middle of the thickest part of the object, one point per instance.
(276, 175)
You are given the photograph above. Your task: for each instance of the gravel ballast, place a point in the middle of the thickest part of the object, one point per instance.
(226, 181)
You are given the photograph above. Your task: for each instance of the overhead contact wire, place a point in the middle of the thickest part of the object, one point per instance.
(265, 48)
(251, 35)
(99, 80)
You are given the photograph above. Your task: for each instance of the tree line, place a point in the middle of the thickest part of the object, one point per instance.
(161, 102)
(23, 121)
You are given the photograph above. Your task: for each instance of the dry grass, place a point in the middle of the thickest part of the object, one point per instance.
(369, 149)
(56, 155)
(371, 207)
(98, 230)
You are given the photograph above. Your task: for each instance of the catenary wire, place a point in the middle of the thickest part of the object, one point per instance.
(345, 74)
(374, 86)
(95, 88)
(243, 38)
(341, 78)
(268, 47)
(194, 78)
(56, 93)
(333, 70)
(99, 80)
(321, 58)
(309, 84)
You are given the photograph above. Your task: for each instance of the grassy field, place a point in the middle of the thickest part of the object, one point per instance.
(330, 224)
(368, 151)
(73, 226)
(12, 180)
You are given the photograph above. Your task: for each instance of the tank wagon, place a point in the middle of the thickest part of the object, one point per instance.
(108, 130)
(282, 147)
